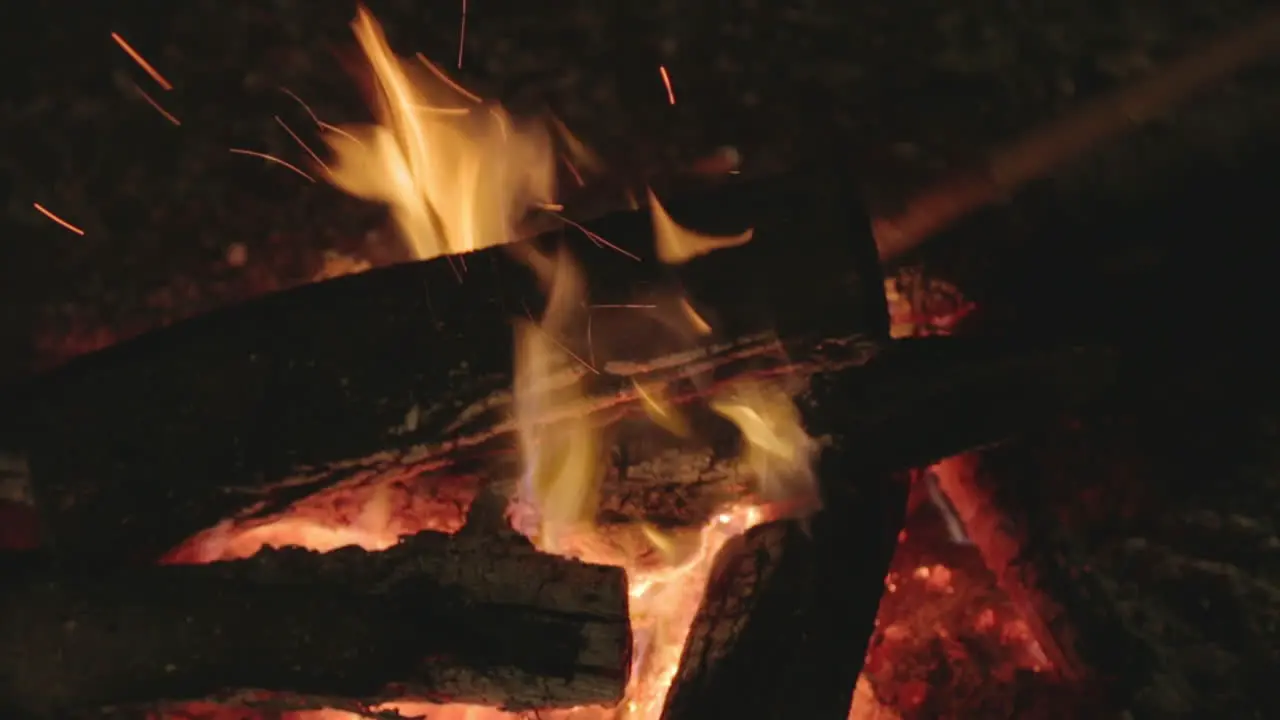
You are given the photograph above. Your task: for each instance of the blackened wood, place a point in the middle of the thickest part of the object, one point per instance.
(783, 628)
(923, 399)
(138, 447)
(476, 618)
(907, 404)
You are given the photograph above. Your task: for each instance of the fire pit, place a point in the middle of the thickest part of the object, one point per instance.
(672, 490)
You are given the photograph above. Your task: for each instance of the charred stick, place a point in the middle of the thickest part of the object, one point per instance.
(483, 620)
(1043, 150)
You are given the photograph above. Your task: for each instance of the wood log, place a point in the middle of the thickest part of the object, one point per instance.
(784, 626)
(475, 618)
(140, 446)
(905, 405)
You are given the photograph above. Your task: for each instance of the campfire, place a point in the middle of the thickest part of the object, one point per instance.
(624, 472)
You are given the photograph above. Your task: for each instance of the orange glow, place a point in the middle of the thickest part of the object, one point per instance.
(49, 214)
(142, 62)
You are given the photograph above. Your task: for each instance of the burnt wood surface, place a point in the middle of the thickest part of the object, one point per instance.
(479, 618)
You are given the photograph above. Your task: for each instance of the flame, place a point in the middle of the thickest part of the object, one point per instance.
(777, 451)
(661, 411)
(458, 175)
(677, 245)
(562, 461)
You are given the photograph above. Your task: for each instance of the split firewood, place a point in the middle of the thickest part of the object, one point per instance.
(475, 618)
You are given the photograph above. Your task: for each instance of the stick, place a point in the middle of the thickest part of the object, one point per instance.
(1043, 150)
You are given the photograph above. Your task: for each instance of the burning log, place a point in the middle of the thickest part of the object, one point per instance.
(473, 618)
(790, 606)
(789, 610)
(257, 406)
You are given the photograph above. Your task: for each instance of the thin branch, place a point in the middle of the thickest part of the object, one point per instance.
(1045, 149)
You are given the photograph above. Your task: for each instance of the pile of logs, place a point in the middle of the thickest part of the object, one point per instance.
(242, 413)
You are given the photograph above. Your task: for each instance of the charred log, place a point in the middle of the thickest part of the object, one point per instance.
(910, 404)
(790, 607)
(473, 618)
(177, 430)
(788, 613)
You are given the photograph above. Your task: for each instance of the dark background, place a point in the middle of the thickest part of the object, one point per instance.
(1163, 242)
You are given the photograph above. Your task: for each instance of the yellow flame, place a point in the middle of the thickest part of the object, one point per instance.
(700, 326)
(777, 451)
(661, 412)
(677, 245)
(457, 175)
(563, 464)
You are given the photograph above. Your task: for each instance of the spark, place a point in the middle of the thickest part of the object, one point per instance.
(274, 159)
(666, 81)
(142, 62)
(327, 127)
(462, 33)
(49, 214)
(339, 131)
(448, 80)
(456, 273)
(301, 144)
(537, 326)
(569, 352)
(593, 237)
(305, 107)
(573, 170)
(504, 127)
(152, 102)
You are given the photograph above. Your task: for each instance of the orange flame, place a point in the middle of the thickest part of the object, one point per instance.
(457, 175)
